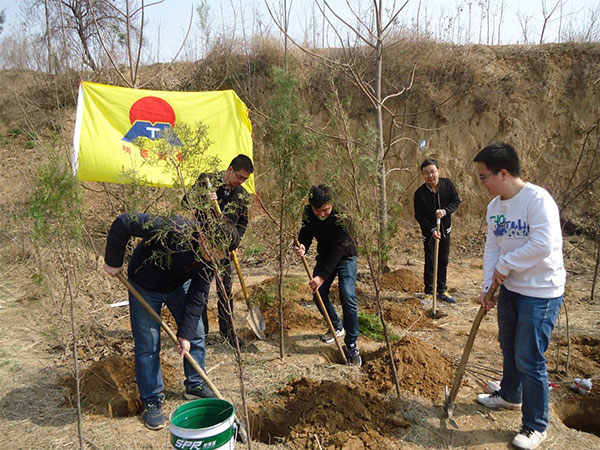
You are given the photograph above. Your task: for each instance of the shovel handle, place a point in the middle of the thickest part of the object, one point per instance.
(169, 332)
(322, 306)
(467, 351)
(255, 317)
(436, 254)
(238, 270)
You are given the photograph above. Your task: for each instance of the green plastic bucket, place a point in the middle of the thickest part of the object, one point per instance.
(203, 424)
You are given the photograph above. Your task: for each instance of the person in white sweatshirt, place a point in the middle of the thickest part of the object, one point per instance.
(523, 255)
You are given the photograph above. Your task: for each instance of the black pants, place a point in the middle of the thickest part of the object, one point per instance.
(444, 251)
(223, 311)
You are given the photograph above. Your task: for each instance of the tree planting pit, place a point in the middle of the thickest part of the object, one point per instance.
(581, 412)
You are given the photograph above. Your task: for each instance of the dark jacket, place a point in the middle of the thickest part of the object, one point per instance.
(334, 241)
(164, 260)
(427, 202)
(233, 202)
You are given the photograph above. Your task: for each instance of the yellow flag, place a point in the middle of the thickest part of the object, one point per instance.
(111, 118)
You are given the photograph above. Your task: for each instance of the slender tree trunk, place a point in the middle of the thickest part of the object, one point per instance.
(48, 41)
(595, 271)
(280, 277)
(380, 148)
(285, 37)
(74, 334)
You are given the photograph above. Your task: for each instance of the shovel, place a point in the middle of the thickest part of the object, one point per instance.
(322, 305)
(451, 396)
(436, 254)
(254, 317)
(242, 435)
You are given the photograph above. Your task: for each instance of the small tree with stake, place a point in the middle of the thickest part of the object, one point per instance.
(56, 209)
(290, 151)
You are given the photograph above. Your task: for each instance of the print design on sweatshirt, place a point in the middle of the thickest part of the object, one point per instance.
(509, 228)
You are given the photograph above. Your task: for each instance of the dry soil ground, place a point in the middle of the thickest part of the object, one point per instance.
(308, 400)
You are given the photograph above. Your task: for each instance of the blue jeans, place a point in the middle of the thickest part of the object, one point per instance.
(346, 273)
(146, 338)
(524, 327)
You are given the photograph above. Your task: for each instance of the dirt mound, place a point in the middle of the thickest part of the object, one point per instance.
(409, 313)
(265, 293)
(334, 414)
(403, 280)
(295, 318)
(109, 387)
(584, 354)
(422, 369)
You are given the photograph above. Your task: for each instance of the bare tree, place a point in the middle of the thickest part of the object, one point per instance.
(70, 22)
(524, 24)
(367, 36)
(132, 16)
(547, 14)
(2, 19)
(500, 20)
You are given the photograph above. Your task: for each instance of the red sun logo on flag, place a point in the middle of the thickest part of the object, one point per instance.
(150, 117)
(152, 109)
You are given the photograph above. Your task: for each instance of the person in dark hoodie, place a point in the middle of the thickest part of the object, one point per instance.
(171, 267)
(337, 255)
(436, 199)
(226, 189)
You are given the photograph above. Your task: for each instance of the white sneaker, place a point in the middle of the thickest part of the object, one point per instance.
(494, 400)
(529, 439)
(328, 337)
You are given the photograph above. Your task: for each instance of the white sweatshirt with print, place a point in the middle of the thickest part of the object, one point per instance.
(524, 241)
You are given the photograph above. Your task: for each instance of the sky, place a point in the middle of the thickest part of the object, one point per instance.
(447, 20)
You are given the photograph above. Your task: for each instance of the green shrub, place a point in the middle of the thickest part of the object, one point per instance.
(370, 325)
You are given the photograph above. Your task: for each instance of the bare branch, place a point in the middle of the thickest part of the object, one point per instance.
(354, 30)
(108, 53)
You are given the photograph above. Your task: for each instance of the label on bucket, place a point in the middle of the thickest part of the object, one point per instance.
(207, 443)
(203, 424)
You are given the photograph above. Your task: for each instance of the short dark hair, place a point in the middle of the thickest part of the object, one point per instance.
(498, 156)
(429, 162)
(242, 162)
(319, 195)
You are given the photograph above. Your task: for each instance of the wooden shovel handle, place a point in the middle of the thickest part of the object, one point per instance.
(467, 351)
(169, 332)
(233, 255)
(322, 305)
(436, 254)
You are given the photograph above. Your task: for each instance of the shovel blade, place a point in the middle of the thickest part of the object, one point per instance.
(256, 322)
(449, 408)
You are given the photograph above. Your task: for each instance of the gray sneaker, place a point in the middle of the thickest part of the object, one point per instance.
(354, 357)
(153, 416)
(328, 337)
(198, 391)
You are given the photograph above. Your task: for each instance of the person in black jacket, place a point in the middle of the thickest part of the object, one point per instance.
(436, 199)
(169, 266)
(226, 188)
(336, 255)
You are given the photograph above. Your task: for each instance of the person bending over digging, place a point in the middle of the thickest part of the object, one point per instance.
(169, 266)
(523, 254)
(435, 199)
(336, 255)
